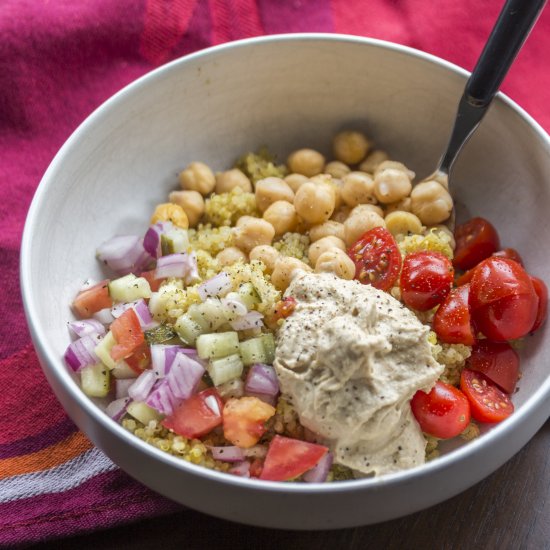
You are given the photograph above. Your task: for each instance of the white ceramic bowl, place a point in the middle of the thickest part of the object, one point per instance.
(285, 92)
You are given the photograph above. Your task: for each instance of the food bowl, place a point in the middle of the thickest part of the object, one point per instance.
(284, 92)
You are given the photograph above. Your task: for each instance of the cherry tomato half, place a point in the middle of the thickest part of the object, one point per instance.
(487, 402)
(475, 240)
(426, 279)
(377, 259)
(542, 309)
(498, 361)
(443, 413)
(128, 335)
(503, 301)
(452, 321)
(510, 254)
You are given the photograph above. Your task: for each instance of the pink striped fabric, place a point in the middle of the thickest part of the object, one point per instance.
(60, 60)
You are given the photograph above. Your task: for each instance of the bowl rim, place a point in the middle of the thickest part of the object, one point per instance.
(55, 366)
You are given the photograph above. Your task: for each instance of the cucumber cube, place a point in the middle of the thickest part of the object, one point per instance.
(94, 380)
(249, 295)
(225, 369)
(269, 348)
(253, 351)
(129, 288)
(103, 350)
(187, 329)
(216, 345)
(142, 412)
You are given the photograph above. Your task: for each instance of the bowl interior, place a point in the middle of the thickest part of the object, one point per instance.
(283, 94)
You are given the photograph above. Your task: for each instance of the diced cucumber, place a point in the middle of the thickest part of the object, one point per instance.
(225, 369)
(253, 351)
(196, 314)
(129, 288)
(174, 241)
(187, 329)
(249, 295)
(94, 380)
(269, 348)
(216, 345)
(103, 350)
(123, 370)
(142, 412)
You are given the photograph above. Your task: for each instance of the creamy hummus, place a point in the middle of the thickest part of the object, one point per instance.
(349, 359)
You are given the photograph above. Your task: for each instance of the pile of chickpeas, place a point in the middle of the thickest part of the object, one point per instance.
(333, 203)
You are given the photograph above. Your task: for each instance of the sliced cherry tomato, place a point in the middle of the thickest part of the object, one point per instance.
(426, 279)
(443, 413)
(140, 358)
(289, 458)
(542, 309)
(244, 420)
(196, 416)
(487, 402)
(510, 254)
(475, 240)
(128, 335)
(92, 300)
(284, 308)
(452, 321)
(377, 259)
(498, 361)
(154, 284)
(503, 301)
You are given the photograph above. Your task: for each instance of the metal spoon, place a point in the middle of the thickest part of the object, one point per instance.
(514, 23)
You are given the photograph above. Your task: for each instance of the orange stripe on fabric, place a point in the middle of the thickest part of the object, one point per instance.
(47, 458)
(234, 19)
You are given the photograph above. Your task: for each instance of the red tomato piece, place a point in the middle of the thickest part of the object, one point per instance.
(452, 321)
(284, 308)
(498, 361)
(426, 279)
(475, 240)
(92, 300)
(140, 358)
(377, 259)
(510, 254)
(289, 458)
(542, 308)
(443, 413)
(503, 301)
(256, 467)
(487, 402)
(244, 420)
(465, 278)
(128, 335)
(196, 416)
(154, 284)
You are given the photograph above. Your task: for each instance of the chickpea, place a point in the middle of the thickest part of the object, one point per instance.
(356, 225)
(315, 202)
(326, 229)
(231, 255)
(358, 188)
(350, 147)
(168, 212)
(265, 254)
(337, 169)
(431, 202)
(306, 161)
(253, 233)
(336, 261)
(360, 210)
(228, 180)
(295, 180)
(284, 271)
(198, 177)
(334, 184)
(403, 205)
(403, 223)
(394, 165)
(192, 203)
(245, 219)
(373, 160)
(341, 215)
(270, 190)
(282, 216)
(322, 245)
(391, 185)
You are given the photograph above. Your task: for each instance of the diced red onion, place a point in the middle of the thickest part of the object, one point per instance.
(80, 353)
(116, 409)
(162, 357)
(124, 254)
(319, 473)
(241, 469)
(184, 377)
(151, 240)
(216, 287)
(262, 379)
(87, 327)
(252, 319)
(142, 385)
(180, 265)
(228, 454)
(162, 399)
(121, 387)
(233, 302)
(142, 311)
(104, 316)
(123, 371)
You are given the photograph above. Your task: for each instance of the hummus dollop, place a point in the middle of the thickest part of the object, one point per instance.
(349, 359)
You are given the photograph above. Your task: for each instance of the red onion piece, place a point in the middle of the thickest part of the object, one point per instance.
(141, 387)
(234, 303)
(151, 240)
(184, 376)
(104, 316)
(116, 409)
(142, 311)
(162, 399)
(241, 469)
(121, 387)
(228, 454)
(162, 357)
(252, 319)
(180, 265)
(262, 379)
(80, 353)
(87, 327)
(319, 473)
(124, 254)
(216, 287)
